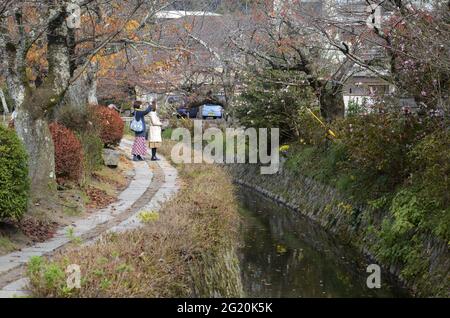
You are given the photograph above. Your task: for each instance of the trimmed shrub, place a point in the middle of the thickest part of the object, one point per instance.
(110, 124)
(68, 154)
(14, 181)
(80, 119)
(92, 150)
(83, 121)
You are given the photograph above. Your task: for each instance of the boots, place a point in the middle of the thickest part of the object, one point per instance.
(137, 158)
(154, 158)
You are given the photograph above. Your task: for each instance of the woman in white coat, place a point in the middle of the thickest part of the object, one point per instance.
(154, 134)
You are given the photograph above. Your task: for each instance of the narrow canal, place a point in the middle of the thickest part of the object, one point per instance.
(283, 254)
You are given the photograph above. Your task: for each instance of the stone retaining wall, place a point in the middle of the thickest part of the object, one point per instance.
(351, 224)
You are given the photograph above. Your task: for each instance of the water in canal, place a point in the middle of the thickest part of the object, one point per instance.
(283, 254)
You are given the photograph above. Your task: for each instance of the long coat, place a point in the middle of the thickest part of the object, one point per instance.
(155, 138)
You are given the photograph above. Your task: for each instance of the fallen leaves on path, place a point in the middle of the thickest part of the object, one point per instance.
(37, 230)
(99, 199)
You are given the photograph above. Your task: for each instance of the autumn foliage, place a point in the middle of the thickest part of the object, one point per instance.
(68, 154)
(110, 124)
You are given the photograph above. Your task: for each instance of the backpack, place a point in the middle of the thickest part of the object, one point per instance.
(137, 125)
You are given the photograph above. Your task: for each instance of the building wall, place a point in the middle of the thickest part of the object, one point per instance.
(363, 90)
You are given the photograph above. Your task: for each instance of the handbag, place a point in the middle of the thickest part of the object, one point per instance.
(137, 125)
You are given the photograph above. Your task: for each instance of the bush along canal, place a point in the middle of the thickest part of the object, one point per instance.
(284, 254)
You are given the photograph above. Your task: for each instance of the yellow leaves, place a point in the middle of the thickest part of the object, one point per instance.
(145, 71)
(95, 58)
(36, 61)
(347, 208)
(161, 66)
(107, 63)
(30, 74)
(284, 148)
(188, 26)
(281, 249)
(148, 216)
(131, 26)
(36, 54)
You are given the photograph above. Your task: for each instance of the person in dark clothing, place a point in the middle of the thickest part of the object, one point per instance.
(139, 149)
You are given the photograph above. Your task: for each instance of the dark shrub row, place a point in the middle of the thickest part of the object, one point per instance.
(79, 137)
(14, 182)
(68, 153)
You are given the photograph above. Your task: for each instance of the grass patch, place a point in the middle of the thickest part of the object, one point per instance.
(167, 133)
(107, 188)
(174, 255)
(110, 180)
(109, 174)
(6, 245)
(106, 183)
(127, 131)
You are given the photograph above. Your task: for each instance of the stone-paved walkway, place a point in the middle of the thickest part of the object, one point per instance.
(153, 183)
(165, 191)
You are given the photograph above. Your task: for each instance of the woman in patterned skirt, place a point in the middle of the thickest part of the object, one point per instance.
(139, 150)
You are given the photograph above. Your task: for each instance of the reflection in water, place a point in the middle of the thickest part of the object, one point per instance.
(285, 255)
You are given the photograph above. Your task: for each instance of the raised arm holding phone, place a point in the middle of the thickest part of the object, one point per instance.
(139, 149)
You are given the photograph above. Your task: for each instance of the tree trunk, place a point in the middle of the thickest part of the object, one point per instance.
(92, 84)
(92, 95)
(37, 139)
(82, 91)
(37, 104)
(3, 100)
(76, 95)
(33, 131)
(331, 101)
(32, 126)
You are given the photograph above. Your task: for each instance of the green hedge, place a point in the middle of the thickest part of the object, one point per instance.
(14, 181)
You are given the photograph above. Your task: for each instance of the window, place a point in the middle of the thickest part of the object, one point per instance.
(378, 89)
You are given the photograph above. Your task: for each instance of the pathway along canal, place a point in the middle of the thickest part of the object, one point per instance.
(284, 254)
